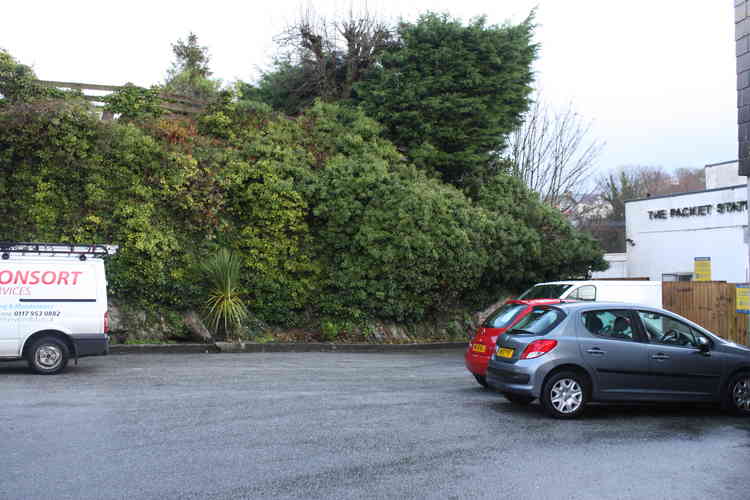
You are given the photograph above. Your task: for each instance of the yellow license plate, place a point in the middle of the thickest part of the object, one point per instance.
(504, 352)
(479, 348)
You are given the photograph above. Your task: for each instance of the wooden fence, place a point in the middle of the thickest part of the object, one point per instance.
(711, 304)
(173, 103)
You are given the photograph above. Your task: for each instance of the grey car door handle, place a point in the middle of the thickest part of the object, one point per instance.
(660, 356)
(595, 350)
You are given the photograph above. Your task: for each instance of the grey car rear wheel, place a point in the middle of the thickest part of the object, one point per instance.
(565, 395)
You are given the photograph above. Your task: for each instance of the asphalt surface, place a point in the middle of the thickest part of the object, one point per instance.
(334, 425)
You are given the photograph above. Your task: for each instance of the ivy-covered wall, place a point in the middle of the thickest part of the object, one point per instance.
(329, 218)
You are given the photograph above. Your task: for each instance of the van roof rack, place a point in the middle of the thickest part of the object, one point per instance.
(82, 251)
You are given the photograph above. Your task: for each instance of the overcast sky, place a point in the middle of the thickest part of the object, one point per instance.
(657, 77)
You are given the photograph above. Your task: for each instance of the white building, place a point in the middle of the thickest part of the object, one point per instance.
(723, 174)
(665, 234)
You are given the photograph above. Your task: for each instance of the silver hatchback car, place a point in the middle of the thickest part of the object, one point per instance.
(567, 355)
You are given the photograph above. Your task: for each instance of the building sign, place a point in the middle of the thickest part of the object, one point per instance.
(743, 299)
(702, 271)
(700, 210)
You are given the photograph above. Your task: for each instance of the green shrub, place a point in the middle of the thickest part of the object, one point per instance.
(326, 218)
(133, 102)
(537, 242)
(224, 306)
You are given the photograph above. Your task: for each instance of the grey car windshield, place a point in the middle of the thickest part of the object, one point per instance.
(504, 316)
(544, 292)
(538, 322)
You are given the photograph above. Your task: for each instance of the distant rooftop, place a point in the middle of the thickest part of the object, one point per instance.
(721, 163)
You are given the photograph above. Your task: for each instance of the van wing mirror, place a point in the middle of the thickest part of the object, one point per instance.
(586, 293)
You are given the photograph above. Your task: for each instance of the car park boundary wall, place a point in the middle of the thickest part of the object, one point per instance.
(253, 347)
(711, 304)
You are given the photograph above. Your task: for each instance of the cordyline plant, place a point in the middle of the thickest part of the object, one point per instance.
(225, 309)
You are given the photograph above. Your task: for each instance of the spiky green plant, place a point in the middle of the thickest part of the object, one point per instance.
(225, 309)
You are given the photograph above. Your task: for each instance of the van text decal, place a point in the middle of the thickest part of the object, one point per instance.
(8, 277)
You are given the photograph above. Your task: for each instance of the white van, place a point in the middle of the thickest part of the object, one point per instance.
(635, 291)
(53, 303)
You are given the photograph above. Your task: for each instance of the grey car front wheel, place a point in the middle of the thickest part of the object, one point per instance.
(739, 393)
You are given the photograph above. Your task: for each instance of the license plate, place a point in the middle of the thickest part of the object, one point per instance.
(479, 348)
(504, 352)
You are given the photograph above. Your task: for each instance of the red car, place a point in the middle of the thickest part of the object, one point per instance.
(482, 345)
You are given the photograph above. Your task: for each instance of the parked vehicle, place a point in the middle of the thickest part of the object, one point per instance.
(482, 346)
(567, 355)
(637, 292)
(53, 303)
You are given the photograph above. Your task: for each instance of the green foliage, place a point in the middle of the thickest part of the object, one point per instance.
(190, 57)
(225, 308)
(538, 243)
(331, 329)
(392, 243)
(320, 59)
(396, 244)
(189, 74)
(133, 102)
(68, 177)
(325, 218)
(18, 82)
(286, 88)
(448, 94)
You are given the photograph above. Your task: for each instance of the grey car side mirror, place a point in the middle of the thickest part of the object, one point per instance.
(703, 344)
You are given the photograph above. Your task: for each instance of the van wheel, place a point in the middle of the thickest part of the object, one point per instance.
(48, 355)
(565, 395)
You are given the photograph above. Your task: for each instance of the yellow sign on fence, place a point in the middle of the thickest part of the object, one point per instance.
(743, 299)
(702, 270)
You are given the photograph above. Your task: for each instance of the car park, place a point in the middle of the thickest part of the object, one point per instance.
(482, 345)
(569, 354)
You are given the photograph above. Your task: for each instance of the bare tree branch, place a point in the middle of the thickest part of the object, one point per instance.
(334, 53)
(553, 154)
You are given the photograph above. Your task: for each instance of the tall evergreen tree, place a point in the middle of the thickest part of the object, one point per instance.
(190, 73)
(448, 94)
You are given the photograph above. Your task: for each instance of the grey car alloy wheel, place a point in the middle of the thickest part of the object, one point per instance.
(566, 395)
(741, 394)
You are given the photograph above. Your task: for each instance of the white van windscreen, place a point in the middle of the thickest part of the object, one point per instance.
(544, 292)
